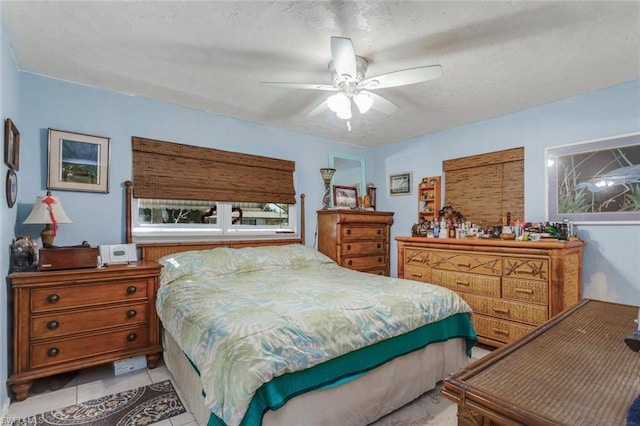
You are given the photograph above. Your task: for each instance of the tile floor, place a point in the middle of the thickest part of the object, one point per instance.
(99, 381)
(93, 383)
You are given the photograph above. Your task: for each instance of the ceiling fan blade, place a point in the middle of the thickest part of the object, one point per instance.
(381, 104)
(344, 57)
(319, 109)
(403, 77)
(308, 86)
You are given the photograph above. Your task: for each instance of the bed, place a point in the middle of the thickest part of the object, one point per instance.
(276, 333)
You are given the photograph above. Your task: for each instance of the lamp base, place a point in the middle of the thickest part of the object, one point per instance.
(47, 236)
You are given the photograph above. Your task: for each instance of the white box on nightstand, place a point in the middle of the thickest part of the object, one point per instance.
(127, 365)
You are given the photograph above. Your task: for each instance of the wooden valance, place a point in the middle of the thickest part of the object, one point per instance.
(485, 187)
(173, 171)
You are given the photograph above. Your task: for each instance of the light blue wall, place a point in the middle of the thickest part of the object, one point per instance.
(611, 263)
(9, 108)
(99, 218)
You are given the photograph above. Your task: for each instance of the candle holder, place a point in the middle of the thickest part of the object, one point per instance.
(327, 175)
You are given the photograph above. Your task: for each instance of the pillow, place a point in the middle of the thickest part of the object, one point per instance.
(222, 261)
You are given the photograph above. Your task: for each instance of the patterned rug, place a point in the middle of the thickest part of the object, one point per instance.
(136, 407)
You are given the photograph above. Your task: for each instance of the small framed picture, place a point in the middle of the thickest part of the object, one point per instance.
(345, 196)
(11, 145)
(78, 162)
(400, 184)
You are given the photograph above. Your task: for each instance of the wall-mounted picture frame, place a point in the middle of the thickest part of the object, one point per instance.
(345, 197)
(594, 182)
(400, 183)
(78, 162)
(11, 145)
(12, 187)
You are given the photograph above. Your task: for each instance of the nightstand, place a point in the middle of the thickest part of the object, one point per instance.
(73, 319)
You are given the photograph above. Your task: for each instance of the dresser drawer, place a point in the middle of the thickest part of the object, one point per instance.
(365, 262)
(499, 330)
(73, 296)
(59, 324)
(467, 262)
(371, 232)
(363, 247)
(459, 281)
(525, 290)
(59, 351)
(417, 273)
(522, 267)
(501, 308)
(416, 257)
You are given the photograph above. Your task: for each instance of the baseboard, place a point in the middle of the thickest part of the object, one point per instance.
(5, 410)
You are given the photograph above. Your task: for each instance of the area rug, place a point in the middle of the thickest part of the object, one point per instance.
(136, 407)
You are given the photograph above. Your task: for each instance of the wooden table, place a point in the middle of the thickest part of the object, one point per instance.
(574, 370)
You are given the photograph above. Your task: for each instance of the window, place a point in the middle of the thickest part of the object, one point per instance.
(202, 220)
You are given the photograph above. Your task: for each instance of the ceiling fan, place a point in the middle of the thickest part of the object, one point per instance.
(348, 79)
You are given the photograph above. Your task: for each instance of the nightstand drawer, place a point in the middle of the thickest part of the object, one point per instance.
(62, 324)
(467, 262)
(371, 232)
(59, 351)
(73, 296)
(363, 247)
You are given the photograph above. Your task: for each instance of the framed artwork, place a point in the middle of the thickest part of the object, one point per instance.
(78, 162)
(400, 184)
(596, 181)
(345, 196)
(12, 187)
(11, 145)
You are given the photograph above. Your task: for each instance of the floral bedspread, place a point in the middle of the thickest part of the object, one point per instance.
(245, 316)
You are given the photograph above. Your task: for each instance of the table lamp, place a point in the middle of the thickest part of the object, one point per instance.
(327, 175)
(47, 210)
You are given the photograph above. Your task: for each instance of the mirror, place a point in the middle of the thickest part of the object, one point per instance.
(349, 172)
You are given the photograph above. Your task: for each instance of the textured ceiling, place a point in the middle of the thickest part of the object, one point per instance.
(496, 57)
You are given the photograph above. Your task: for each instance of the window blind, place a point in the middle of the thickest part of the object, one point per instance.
(173, 171)
(485, 187)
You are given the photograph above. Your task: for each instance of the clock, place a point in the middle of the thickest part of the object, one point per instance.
(12, 187)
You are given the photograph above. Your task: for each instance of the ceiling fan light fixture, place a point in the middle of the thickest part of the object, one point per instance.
(341, 105)
(363, 101)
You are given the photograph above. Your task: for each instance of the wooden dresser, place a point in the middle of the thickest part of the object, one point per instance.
(512, 286)
(356, 239)
(68, 320)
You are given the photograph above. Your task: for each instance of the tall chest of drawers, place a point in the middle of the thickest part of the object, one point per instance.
(512, 286)
(356, 239)
(68, 320)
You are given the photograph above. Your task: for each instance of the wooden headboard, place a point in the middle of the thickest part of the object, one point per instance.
(154, 251)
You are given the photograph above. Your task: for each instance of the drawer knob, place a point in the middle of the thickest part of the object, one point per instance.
(52, 325)
(464, 265)
(523, 290)
(348, 246)
(131, 289)
(379, 245)
(350, 262)
(462, 283)
(51, 352)
(53, 298)
(348, 231)
(131, 314)
(131, 337)
(501, 331)
(379, 231)
(379, 260)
